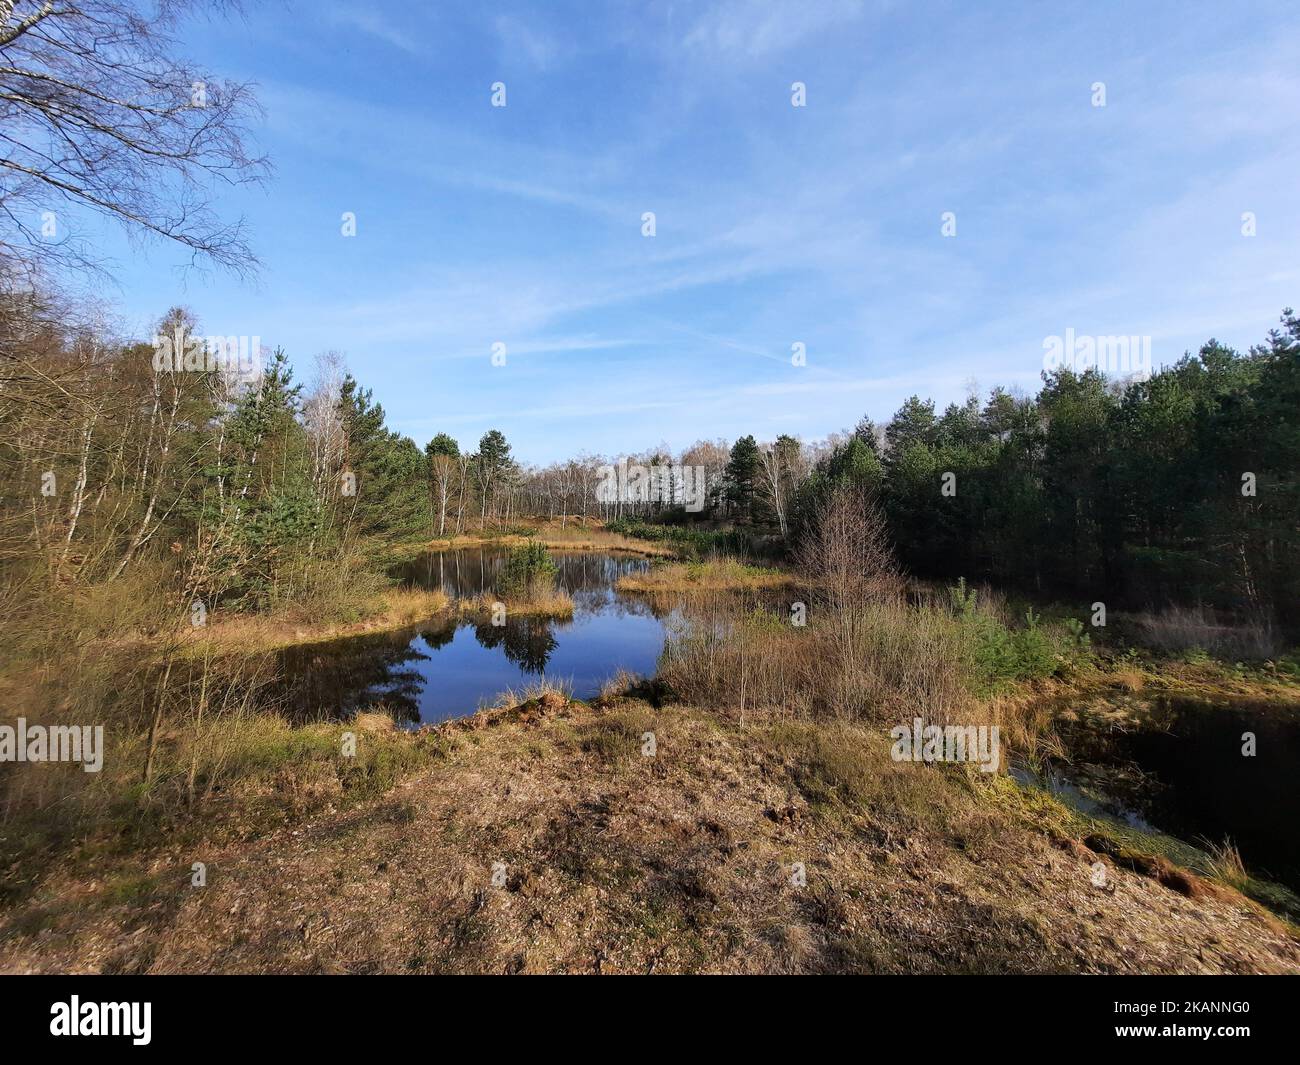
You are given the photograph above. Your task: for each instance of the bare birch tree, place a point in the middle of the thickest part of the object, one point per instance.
(97, 113)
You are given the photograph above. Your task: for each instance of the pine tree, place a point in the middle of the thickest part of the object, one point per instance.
(740, 482)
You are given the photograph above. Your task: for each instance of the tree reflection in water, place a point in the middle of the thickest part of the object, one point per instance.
(338, 678)
(447, 667)
(528, 642)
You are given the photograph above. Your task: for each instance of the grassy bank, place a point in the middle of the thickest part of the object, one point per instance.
(362, 603)
(231, 632)
(552, 603)
(542, 838)
(229, 779)
(397, 608)
(715, 574)
(190, 713)
(572, 537)
(1197, 676)
(694, 542)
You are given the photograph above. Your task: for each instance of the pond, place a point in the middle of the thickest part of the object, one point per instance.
(450, 667)
(1180, 769)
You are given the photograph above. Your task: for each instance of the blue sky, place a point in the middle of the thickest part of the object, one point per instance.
(775, 224)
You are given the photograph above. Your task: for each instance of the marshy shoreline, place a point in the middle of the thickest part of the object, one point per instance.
(559, 789)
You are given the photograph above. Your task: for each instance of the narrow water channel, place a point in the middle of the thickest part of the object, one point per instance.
(1180, 767)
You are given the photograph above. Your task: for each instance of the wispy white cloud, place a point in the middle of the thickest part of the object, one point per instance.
(755, 29)
(529, 44)
(370, 21)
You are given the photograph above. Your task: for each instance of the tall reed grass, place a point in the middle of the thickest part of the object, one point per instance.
(1180, 629)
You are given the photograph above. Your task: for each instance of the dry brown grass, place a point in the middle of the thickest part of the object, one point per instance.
(224, 770)
(609, 861)
(716, 574)
(1226, 864)
(548, 690)
(548, 603)
(394, 609)
(1181, 629)
(620, 685)
(887, 662)
(571, 537)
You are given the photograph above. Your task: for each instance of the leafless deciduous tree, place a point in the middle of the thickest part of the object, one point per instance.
(851, 570)
(846, 554)
(96, 112)
(443, 481)
(326, 435)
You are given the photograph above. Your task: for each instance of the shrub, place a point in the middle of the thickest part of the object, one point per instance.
(1079, 637)
(885, 663)
(999, 653)
(528, 572)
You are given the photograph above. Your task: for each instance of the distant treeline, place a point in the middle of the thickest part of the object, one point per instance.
(1178, 489)
(1183, 488)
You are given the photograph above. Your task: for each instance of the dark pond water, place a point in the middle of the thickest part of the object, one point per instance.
(1183, 772)
(446, 669)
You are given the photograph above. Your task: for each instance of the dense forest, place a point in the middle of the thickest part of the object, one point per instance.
(1179, 488)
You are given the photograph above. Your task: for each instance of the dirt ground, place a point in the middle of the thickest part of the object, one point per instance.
(546, 839)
